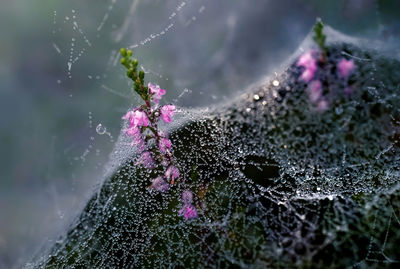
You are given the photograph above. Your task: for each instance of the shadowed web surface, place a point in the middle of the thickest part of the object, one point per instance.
(276, 182)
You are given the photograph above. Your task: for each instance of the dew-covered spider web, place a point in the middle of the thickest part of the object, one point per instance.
(276, 182)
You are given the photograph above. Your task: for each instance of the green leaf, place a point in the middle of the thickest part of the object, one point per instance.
(319, 36)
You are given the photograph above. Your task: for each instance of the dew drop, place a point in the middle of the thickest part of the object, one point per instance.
(100, 129)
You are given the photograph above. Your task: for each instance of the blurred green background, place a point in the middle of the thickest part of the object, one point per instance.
(51, 154)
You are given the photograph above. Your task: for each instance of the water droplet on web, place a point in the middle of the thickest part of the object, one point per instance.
(60, 215)
(100, 129)
(338, 110)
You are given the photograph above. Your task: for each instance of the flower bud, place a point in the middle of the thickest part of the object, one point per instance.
(129, 73)
(187, 197)
(137, 86)
(123, 52)
(141, 74)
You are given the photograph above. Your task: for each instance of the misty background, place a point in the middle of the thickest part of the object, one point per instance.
(60, 79)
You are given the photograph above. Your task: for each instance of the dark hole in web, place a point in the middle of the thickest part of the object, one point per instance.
(261, 170)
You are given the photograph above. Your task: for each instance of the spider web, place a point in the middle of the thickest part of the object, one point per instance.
(276, 183)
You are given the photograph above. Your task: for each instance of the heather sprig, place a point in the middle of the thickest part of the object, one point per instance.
(319, 37)
(152, 143)
(317, 70)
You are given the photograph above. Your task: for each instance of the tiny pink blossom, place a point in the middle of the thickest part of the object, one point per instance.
(172, 173)
(164, 144)
(146, 160)
(156, 91)
(315, 91)
(136, 118)
(308, 74)
(165, 162)
(307, 61)
(348, 91)
(187, 197)
(345, 67)
(188, 211)
(161, 133)
(140, 119)
(133, 131)
(139, 143)
(129, 115)
(167, 112)
(322, 105)
(159, 184)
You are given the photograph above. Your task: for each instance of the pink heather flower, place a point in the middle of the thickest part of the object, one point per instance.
(133, 131)
(159, 184)
(156, 91)
(140, 119)
(136, 118)
(315, 91)
(167, 112)
(307, 61)
(188, 211)
(129, 115)
(164, 144)
(322, 105)
(146, 160)
(187, 197)
(161, 133)
(164, 162)
(172, 172)
(345, 67)
(139, 143)
(348, 91)
(307, 74)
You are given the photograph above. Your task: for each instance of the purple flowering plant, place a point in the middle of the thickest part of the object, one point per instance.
(317, 69)
(154, 146)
